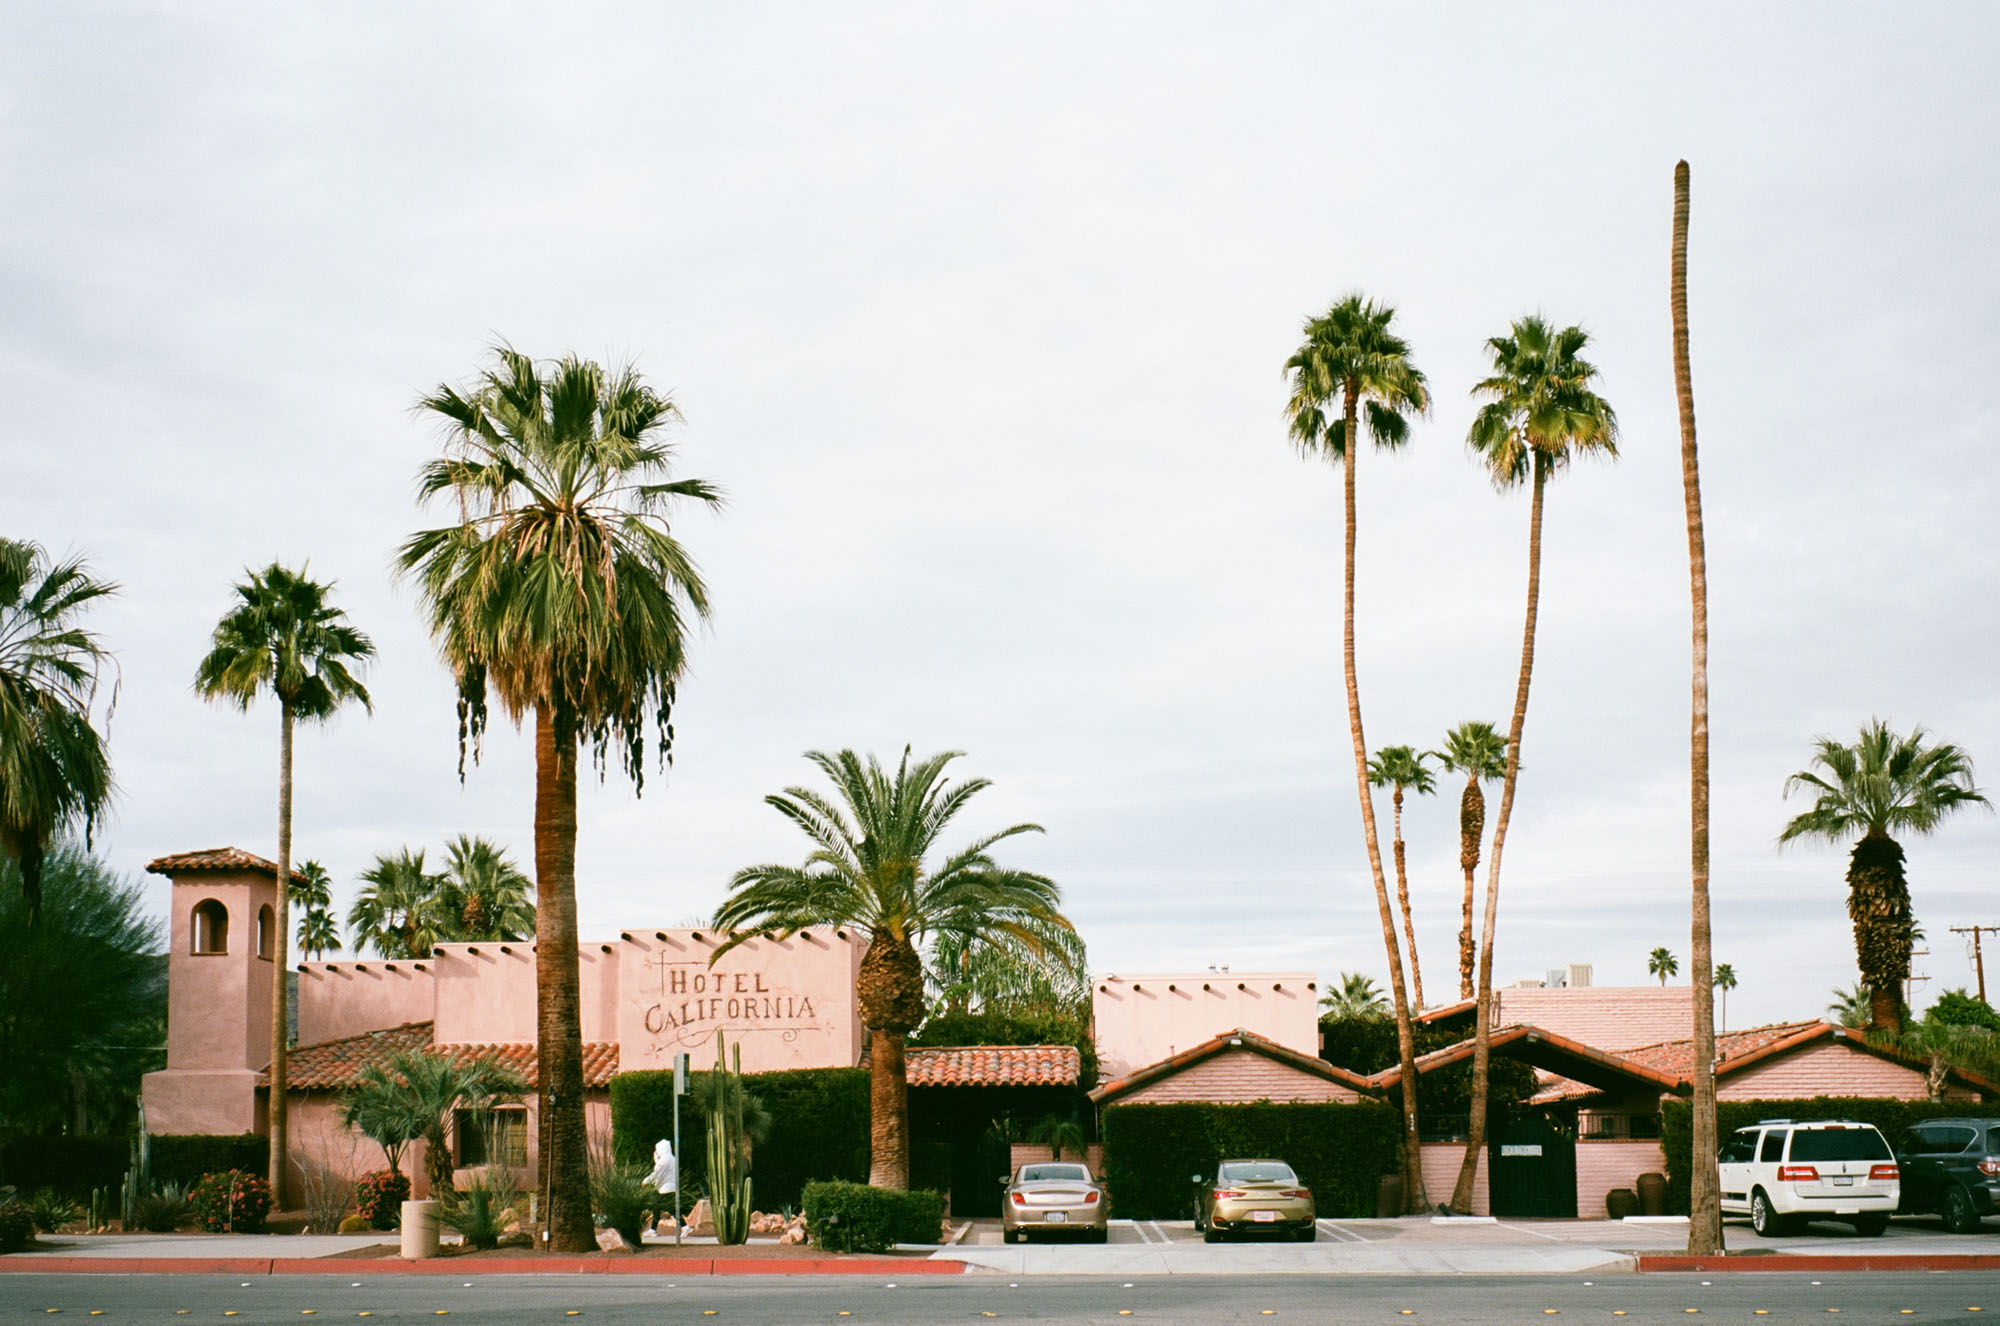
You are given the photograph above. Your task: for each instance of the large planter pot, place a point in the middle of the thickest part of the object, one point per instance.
(420, 1230)
(1653, 1194)
(1389, 1197)
(1621, 1202)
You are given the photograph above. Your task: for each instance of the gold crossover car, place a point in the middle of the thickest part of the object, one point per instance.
(1054, 1198)
(1254, 1197)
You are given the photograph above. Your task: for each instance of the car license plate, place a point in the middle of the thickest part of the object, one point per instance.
(1056, 1217)
(1264, 1217)
(1843, 1180)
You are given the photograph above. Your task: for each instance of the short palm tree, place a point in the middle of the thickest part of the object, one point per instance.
(1403, 768)
(55, 773)
(312, 893)
(1882, 785)
(874, 866)
(1725, 981)
(284, 638)
(398, 912)
(485, 895)
(1479, 752)
(562, 591)
(1541, 411)
(1351, 365)
(1355, 998)
(415, 1094)
(1662, 964)
(1851, 1007)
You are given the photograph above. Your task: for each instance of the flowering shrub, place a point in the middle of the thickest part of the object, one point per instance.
(231, 1200)
(379, 1197)
(17, 1225)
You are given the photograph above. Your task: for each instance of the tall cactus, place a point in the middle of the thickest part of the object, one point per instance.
(728, 1181)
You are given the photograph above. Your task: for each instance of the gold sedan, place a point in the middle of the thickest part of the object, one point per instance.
(1054, 1198)
(1254, 1197)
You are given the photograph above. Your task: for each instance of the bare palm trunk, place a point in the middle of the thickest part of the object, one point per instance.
(565, 1146)
(1403, 900)
(1413, 1167)
(1482, 1027)
(1471, 824)
(889, 1112)
(280, 913)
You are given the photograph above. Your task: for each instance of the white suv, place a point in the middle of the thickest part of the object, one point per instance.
(1784, 1172)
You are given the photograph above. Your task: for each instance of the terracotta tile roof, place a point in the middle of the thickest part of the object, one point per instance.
(336, 1065)
(1733, 1049)
(1229, 1040)
(212, 858)
(992, 1066)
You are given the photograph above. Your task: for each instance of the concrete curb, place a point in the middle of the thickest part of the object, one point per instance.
(1785, 1262)
(683, 1266)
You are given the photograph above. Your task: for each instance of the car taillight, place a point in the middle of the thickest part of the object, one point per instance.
(1090, 1198)
(1990, 1165)
(1221, 1193)
(1797, 1174)
(1019, 1200)
(1296, 1192)
(1885, 1172)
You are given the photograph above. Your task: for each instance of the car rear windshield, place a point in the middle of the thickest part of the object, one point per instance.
(1259, 1171)
(1059, 1173)
(1838, 1144)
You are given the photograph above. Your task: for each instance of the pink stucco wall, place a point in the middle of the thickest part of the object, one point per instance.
(788, 1002)
(1602, 1166)
(338, 999)
(1827, 1068)
(1441, 1162)
(1140, 1020)
(219, 1004)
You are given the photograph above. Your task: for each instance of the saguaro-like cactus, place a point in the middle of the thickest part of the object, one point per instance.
(728, 1179)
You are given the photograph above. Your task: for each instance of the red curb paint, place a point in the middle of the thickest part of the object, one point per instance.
(486, 1266)
(1868, 1262)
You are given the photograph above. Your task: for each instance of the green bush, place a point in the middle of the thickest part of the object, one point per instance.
(819, 1128)
(1962, 1008)
(1340, 1152)
(17, 1225)
(164, 1211)
(184, 1158)
(1891, 1116)
(1047, 1027)
(231, 1201)
(853, 1217)
(70, 1165)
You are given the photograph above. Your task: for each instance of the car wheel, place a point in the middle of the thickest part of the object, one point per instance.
(1960, 1215)
(1310, 1234)
(1011, 1235)
(1764, 1218)
(1100, 1236)
(1870, 1226)
(1210, 1234)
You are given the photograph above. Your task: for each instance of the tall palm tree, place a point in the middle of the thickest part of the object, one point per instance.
(284, 638)
(1705, 1221)
(1662, 964)
(1725, 981)
(312, 892)
(485, 895)
(414, 1094)
(872, 868)
(1348, 365)
(1541, 412)
(55, 774)
(1884, 784)
(398, 912)
(1356, 997)
(1403, 767)
(563, 591)
(1479, 752)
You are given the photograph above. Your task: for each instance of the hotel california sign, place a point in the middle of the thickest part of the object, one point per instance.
(789, 1001)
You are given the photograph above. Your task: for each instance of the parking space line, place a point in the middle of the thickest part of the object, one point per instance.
(1344, 1235)
(1161, 1234)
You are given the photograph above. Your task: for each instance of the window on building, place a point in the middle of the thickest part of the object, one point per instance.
(492, 1137)
(211, 927)
(267, 930)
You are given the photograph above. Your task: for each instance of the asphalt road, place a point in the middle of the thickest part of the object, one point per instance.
(973, 1298)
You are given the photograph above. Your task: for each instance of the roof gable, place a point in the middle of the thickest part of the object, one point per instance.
(1228, 1041)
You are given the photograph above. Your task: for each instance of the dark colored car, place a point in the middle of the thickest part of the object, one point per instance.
(1254, 1197)
(1951, 1167)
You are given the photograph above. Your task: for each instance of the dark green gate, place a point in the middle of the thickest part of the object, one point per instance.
(1531, 1168)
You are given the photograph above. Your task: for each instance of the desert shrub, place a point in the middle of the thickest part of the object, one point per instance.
(379, 1196)
(17, 1225)
(52, 1210)
(622, 1198)
(853, 1217)
(326, 1194)
(481, 1210)
(231, 1200)
(164, 1210)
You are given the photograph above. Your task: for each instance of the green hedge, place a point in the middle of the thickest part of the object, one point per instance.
(1891, 1116)
(184, 1158)
(819, 1127)
(1340, 1152)
(70, 1165)
(853, 1217)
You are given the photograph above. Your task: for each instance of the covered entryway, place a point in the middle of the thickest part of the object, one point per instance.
(1532, 1161)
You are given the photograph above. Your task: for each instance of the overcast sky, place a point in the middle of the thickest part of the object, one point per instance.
(978, 314)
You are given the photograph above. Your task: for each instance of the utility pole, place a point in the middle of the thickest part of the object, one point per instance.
(1978, 959)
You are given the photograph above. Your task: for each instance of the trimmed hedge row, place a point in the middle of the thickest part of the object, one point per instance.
(819, 1127)
(1891, 1116)
(70, 1165)
(853, 1217)
(1340, 1152)
(185, 1158)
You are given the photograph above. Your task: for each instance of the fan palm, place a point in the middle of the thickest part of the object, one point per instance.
(1725, 981)
(563, 592)
(1662, 964)
(1403, 768)
(283, 638)
(1479, 752)
(873, 868)
(1541, 412)
(1851, 1007)
(1356, 998)
(485, 895)
(1349, 365)
(1884, 784)
(312, 892)
(55, 773)
(399, 913)
(414, 1094)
